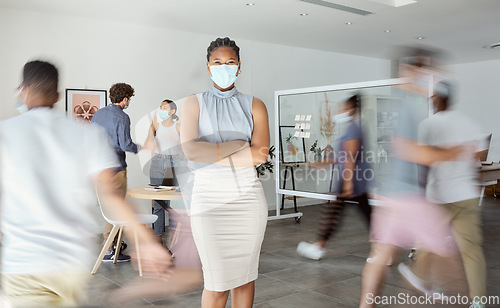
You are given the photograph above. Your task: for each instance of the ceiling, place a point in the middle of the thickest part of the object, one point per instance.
(461, 27)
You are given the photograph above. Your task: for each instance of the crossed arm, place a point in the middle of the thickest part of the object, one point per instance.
(238, 153)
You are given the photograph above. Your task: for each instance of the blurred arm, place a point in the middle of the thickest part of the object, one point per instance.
(424, 154)
(351, 148)
(482, 155)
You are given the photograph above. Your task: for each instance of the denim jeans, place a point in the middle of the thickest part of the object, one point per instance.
(161, 172)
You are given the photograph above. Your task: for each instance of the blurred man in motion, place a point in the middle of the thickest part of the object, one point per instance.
(454, 185)
(405, 216)
(49, 167)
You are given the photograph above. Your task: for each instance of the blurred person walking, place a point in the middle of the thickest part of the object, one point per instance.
(224, 134)
(353, 180)
(453, 185)
(405, 216)
(50, 166)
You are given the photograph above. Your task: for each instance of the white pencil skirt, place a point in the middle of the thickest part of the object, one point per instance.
(228, 220)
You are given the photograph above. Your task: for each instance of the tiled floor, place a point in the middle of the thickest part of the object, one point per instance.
(287, 280)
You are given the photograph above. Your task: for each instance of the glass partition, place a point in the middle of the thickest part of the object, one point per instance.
(308, 137)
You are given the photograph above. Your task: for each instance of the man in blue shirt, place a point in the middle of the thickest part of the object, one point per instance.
(117, 125)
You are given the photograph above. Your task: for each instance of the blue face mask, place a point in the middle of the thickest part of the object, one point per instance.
(164, 115)
(126, 106)
(224, 75)
(342, 117)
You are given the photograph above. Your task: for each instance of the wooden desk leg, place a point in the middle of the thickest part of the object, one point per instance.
(118, 244)
(139, 263)
(108, 243)
(482, 195)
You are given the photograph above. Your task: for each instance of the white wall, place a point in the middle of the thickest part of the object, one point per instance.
(159, 63)
(479, 97)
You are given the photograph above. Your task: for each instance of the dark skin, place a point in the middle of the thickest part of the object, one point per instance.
(241, 152)
(224, 55)
(237, 153)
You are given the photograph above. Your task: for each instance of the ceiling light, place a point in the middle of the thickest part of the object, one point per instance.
(387, 31)
(303, 14)
(395, 3)
(420, 38)
(250, 4)
(494, 46)
(336, 6)
(348, 23)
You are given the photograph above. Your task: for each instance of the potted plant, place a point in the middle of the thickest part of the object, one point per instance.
(327, 129)
(268, 165)
(317, 150)
(292, 148)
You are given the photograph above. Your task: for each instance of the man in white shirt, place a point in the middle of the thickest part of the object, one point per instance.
(49, 167)
(454, 185)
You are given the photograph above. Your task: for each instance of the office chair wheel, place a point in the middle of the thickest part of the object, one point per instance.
(297, 219)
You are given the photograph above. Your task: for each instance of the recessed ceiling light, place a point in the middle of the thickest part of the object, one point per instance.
(303, 14)
(387, 31)
(420, 38)
(348, 23)
(494, 46)
(250, 4)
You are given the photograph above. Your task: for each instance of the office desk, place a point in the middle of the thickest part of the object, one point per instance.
(488, 175)
(140, 192)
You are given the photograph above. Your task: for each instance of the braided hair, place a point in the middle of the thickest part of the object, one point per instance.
(223, 42)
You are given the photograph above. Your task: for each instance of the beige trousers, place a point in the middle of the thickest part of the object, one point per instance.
(45, 290)
(465, 221)
(120, 184)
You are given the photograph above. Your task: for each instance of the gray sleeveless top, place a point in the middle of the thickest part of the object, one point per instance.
(224, 116)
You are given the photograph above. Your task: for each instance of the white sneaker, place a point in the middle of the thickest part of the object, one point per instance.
(374, 259)
(419, 284)
(310, 251)
(412, 279)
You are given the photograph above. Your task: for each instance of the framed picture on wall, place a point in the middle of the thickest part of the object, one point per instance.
(81, 104)
(292, 145)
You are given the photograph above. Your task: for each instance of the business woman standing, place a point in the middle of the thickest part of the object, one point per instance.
(224, 134)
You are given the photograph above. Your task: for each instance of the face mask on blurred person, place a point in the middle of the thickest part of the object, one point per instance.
(342, 117)
(21, 102)
(224, 75)
(164, 115)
